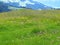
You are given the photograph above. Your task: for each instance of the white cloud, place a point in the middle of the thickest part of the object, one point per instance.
(25, 2)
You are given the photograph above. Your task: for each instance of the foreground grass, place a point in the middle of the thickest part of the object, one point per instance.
(28, 27)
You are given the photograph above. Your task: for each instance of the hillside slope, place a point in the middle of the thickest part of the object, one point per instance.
(30, 27)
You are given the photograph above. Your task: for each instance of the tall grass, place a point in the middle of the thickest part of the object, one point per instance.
(28, 27)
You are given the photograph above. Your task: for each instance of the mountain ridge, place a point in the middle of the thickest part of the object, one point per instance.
(30, 4)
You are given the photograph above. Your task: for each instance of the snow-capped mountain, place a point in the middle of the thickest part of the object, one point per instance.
(23, 4)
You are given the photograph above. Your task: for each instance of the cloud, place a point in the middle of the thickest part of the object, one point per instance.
(25, 2)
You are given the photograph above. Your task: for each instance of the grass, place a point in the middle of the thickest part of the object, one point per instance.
(28, 27)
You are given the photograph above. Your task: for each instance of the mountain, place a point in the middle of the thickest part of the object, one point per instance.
(6, 5)
(29, 4)
(37, 5)
(3, 7)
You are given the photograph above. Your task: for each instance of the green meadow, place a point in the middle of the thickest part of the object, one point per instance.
(30, 27)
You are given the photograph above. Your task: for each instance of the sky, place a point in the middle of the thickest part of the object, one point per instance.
(52, 3)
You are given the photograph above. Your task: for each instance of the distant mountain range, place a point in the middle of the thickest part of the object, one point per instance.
(30, 4)
(3, 7)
